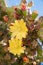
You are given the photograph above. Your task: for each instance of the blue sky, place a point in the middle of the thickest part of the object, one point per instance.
(38, 5)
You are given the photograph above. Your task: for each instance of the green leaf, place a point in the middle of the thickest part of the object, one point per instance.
(42, 24)
(34, 15)
(40, 33)
(19, 11)
(24, 13)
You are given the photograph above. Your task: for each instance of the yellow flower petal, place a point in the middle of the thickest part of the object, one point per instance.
(15, 46)
(19, 29)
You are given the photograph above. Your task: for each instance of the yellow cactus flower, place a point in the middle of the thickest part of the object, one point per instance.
(15, 46)
(19, 29)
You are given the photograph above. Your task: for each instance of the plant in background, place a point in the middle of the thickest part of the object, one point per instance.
(19, 35)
